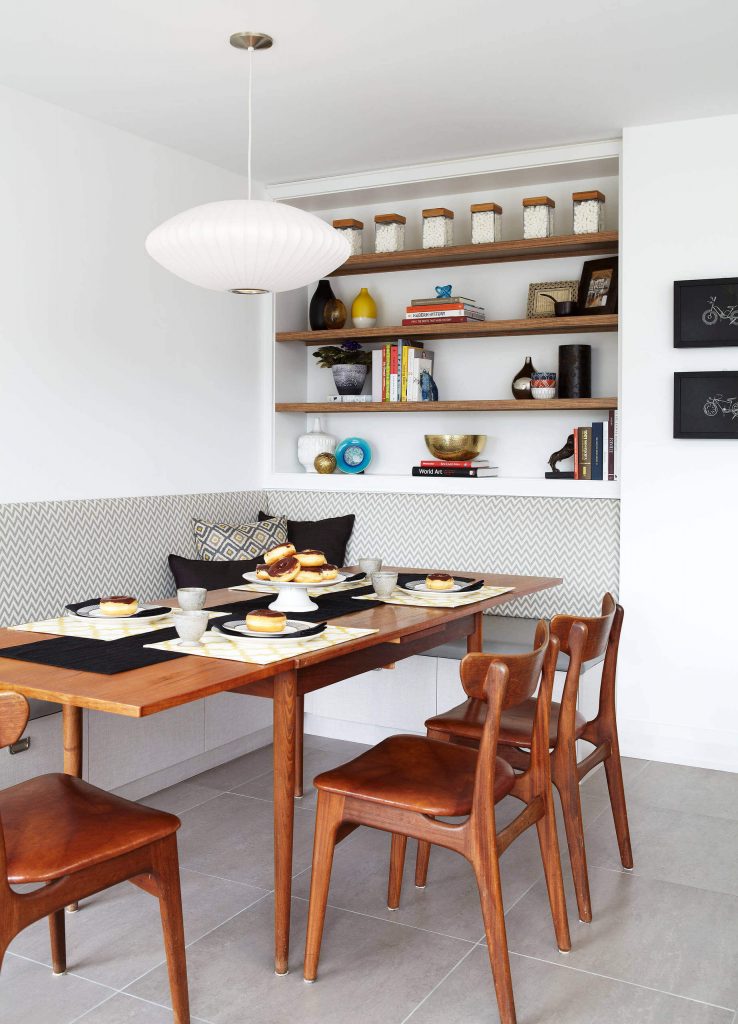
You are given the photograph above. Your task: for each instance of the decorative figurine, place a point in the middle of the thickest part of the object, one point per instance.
(563, 453)
(325, 462)
(428, 388)
(443, 291)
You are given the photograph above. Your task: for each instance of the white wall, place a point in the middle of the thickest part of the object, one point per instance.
(116, 378)
(678, 681)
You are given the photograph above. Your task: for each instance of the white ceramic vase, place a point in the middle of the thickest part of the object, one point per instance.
(315, 442)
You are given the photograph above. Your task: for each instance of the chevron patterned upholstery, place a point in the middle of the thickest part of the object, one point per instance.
(55, 551)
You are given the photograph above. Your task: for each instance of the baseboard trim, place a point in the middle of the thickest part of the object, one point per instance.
(183, 770)
(679, 744)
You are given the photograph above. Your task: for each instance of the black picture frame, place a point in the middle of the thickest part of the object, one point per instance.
(706, 405)
(606, 271)
(702, 313)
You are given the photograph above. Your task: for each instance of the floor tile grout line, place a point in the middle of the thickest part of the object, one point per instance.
(635, 873)
(438, 985)
(95, 1007)
(72, 974)
(622, 981)
(389, 920)
(222, 878)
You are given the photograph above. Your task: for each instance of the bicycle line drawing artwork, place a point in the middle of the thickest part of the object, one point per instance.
(726, 406)
(714, 314)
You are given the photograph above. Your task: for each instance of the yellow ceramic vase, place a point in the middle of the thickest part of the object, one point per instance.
(364, 310)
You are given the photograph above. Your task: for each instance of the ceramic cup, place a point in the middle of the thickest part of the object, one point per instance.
(190, 626)
(370, 565)
(191, 599)
(384, 583)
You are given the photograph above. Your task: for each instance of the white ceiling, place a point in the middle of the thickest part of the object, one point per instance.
(356, 85)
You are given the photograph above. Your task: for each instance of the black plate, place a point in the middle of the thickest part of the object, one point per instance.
(310, 629)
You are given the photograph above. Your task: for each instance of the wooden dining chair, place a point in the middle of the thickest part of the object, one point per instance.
(583, 639)
(78, 840)
(406, 783)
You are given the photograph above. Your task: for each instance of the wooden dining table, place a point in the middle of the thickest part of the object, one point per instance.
(401, 631)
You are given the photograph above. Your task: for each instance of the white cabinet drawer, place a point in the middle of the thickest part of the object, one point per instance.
(45, 754)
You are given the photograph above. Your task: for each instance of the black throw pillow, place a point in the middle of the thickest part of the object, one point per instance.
(327, 535)
(191, 572)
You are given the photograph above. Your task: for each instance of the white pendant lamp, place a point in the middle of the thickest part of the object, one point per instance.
(248, 246)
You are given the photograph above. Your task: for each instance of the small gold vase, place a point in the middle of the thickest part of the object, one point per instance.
(364, 310)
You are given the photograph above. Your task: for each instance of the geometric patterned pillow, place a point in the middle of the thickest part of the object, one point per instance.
(222, 542)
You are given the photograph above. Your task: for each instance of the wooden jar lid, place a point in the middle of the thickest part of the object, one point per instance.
(580, 197)
(439, 211)
(539, 201)
(485, 208)
(348, 223)
(390, 218)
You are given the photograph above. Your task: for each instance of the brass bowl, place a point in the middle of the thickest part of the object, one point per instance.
(455, 447)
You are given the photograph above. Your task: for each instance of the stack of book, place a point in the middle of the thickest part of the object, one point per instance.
(470, 468)
(594, 449)
(456, 309)
(397, 370)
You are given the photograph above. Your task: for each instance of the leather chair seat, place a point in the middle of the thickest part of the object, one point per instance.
(416, 774)
(56, 824)
(516, 724)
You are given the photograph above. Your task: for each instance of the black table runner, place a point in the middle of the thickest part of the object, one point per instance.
(109, 657)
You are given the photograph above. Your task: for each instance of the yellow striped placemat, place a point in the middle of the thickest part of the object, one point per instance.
(99, 629)
(444, 601)
(256, 651)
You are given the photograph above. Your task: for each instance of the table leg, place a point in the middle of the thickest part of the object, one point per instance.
(72, 734)
(285, 720)
(474, 639)
(299, 724)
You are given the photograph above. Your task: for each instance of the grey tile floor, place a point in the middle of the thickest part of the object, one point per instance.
(662, 949)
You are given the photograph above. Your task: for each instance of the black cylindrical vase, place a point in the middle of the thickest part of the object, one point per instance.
(321, 296)
(575, 371)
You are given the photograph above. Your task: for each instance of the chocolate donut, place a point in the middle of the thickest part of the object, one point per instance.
(284, 570)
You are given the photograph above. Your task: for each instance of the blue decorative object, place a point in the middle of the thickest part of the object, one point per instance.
(428, 388)
(353, 455)
(443, 291)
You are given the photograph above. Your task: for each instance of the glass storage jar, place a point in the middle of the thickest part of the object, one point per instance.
(486, 223)
(352, 231)
(389, 232)
(588, 212)
(438, 228)
(538, 217)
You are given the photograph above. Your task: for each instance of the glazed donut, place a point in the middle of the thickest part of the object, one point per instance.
(439, 581)
(117, 607)
(311, 575)
(284, 570)
(281, 551)
(262, 571)
(264, 620)
(310, 557)
(328, 571)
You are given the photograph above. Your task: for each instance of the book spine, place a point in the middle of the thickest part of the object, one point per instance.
(444, 320)
(585, 453)
(455, 464)
(393, 373)
(377, 375)
(441, 314)
(455, 307)
(576, 452)
(431, 471)
(611, 438)
(459, 300)
(597, 451)
(403, 390)
(387, 364)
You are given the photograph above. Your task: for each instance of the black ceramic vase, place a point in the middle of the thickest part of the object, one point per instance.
(521, 380)
(575, 371)
(322, 295)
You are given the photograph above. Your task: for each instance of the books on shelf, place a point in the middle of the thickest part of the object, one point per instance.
(595, 447)
(447, 470)
(396, 371)
(456, 463)
(350, 398)
(454, 310)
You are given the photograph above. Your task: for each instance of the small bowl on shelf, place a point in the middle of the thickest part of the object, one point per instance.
(543, 385)
(455, 447)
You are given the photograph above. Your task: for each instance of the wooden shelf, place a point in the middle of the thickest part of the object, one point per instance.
(559, 246)
(495, 405)
(482, 329)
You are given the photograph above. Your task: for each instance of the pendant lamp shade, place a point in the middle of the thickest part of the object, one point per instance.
(247, 246)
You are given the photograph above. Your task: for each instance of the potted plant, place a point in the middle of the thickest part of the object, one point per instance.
(349, 363)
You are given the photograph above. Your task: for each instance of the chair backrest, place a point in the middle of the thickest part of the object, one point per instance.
(584, 639)
(523, 670)
(14, 712)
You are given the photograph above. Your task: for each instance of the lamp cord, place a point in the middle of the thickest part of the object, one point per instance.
(251, 64)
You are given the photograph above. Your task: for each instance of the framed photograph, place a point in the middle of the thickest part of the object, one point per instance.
(706, 312)
(598, 288)
(706, 404)
(562, 291)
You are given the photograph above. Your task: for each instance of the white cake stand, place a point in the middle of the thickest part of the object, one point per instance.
(293, 597)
